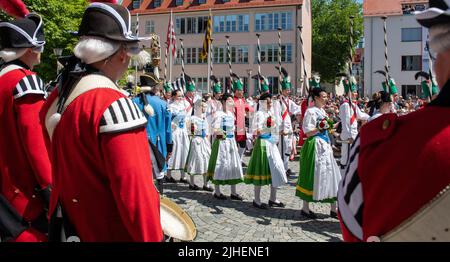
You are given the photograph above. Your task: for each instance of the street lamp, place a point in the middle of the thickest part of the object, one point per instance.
(58, 53)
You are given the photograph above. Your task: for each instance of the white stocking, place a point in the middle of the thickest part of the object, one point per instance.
(233, 190)
(258, 195)
(217, 190)
(305, 206)
(192, 180)
(205, 180)
(273, 194)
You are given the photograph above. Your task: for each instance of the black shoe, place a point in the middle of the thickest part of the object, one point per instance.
(333, 215)
(194, 187)
(244, 164)
(261, 206)
(236, 197)
(279, 204)
(184, 181)
(221, 196)
(310, 215)
(169, 180)
(207, 188)
(289, 173)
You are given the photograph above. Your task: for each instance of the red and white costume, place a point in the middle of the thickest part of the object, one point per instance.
(389, 178)
(101, 164)
(24, 162)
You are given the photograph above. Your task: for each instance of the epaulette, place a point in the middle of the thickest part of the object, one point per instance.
(121, 116)
(30, 84)
(378, 130)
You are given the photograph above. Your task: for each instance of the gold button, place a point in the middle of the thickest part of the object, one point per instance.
(386, 124)
(17, 191)
(33, 196)
(75, 200)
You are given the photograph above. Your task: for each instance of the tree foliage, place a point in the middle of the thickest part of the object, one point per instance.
(331, 35)
(60, 18)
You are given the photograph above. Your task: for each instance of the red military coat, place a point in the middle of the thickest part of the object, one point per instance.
(102, 168)
(241, 108)
(24, 162)
(398, 165)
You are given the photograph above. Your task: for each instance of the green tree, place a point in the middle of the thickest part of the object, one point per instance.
(60, 18)
(331, 35)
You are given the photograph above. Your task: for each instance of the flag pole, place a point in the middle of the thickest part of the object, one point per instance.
(210, 65)
(208, 80)
(170, 44)
(136, 63)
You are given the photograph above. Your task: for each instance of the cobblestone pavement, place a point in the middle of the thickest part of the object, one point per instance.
(236, 221)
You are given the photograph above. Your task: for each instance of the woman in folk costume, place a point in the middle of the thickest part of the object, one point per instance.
(381, 104)
(319, 173)
(200, 148)
(180, 137)
(225, 166)
(266, 165)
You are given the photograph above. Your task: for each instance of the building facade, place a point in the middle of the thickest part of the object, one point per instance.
(406, 44)
(239, 19)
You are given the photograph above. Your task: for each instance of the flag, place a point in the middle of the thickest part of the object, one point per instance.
(179, 85)
(171, 38)
(207, 41)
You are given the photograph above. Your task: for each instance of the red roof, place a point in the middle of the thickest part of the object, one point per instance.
(167, 5)
(387, 7)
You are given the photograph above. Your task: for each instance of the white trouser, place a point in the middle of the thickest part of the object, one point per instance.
(285, 147)
(157, 174)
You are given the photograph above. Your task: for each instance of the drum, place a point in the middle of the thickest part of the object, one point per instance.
(176, 224)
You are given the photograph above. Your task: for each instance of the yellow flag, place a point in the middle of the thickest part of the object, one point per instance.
(207, 41)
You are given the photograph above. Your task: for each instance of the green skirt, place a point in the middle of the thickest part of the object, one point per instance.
(305, 183)
(258, 171)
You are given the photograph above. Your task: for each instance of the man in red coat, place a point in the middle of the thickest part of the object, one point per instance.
(397, 185)
(103, 188)
(25, 170)
(240, 111)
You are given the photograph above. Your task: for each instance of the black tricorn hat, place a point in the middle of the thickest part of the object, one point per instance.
(25, 32)
(110, 21)
(437, 13)
(149, 80)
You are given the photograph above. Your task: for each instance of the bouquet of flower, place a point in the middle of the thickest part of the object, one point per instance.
(325, 124)
(270, 122)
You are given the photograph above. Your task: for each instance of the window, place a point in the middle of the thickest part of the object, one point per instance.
(149, 27)
(191, 56)
(411, 90)
(201, 1)
(133, 27)
(231, 23)
(178, 2)
(239, 55)
(269, 53)
(191, 25)
(272, 21)
(156, 3)
(137, 4)
(411, 34)
(411, 63)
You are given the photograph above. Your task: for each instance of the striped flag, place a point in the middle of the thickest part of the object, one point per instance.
(171, 37)
(207, 41)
